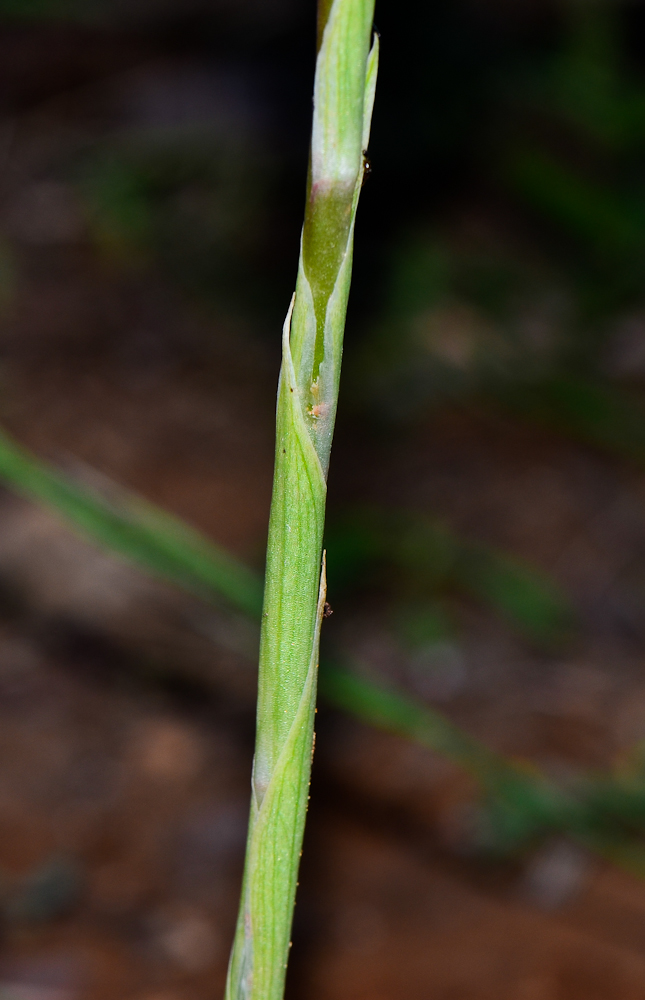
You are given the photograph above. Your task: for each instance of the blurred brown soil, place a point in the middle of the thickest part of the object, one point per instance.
(146, 794)
(127, 708)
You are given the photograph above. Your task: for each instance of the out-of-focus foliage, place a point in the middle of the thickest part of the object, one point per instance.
(188, 203)
(542, 314)
(520, 806)
(511, 246)
(124, 523)
(420, 562)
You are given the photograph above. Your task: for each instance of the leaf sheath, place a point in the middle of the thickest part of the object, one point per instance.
(294, 592)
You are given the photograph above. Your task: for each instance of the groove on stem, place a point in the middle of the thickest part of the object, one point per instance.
(294, 594)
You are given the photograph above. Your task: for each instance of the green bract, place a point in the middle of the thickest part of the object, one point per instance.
(294, 585)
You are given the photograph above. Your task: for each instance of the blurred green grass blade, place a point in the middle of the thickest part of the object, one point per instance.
(522, 805)
(125, 523)
(590, 81)
(587, 209)
(400, 714)
(591, 411)
(147, 536)
(434, 558)
(526, 598)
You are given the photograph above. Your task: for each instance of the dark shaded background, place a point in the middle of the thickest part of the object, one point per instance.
(486, 531)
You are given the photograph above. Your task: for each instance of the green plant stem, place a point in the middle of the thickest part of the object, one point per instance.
(606, 814)
(295, 584)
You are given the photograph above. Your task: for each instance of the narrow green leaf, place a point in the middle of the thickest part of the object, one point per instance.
(124, 522)
(520, 799)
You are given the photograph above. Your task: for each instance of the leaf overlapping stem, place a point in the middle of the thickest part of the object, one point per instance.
(295, 581)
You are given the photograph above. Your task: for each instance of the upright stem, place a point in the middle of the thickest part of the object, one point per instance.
(295, 583)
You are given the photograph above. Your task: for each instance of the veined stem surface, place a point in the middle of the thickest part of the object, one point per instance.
(295, 580)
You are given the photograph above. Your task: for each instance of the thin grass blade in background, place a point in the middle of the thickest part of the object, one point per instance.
(125, 523)
(521, 804)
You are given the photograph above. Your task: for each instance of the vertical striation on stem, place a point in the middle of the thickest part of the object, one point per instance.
(295, 580)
